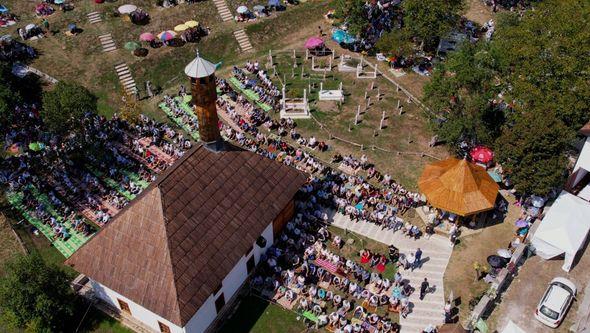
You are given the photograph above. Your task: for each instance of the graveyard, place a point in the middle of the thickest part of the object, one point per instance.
(354, 108)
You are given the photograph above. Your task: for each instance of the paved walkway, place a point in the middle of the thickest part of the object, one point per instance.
(435, 257)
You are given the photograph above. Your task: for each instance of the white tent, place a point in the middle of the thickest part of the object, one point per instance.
(564, 229)
(511, 327)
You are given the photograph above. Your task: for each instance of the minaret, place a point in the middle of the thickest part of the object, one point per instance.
(203, 89)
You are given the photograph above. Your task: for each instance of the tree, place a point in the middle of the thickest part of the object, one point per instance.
(461, 93)
(533, 70)
(9, 95)
(35, 296)
(432, 19)
(354, 13)
(64, 106)
(533, 152)
(396, 43)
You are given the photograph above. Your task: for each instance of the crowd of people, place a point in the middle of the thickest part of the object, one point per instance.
(87, 175)
(267, 92)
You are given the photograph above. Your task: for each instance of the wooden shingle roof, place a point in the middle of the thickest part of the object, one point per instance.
(458, 186)
(172, 246)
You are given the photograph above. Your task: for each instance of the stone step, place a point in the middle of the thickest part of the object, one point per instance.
(128, 81)
(121, 67)
(109, 49)
(106, 36)
(123, 72)
(124, 77)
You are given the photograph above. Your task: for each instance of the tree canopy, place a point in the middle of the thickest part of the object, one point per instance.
(64, 106)
(525, 89)
(354, 13)
(9, 95)
(429, 20)
(35, 296)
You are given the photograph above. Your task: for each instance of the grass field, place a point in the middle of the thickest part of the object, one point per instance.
(10, 245)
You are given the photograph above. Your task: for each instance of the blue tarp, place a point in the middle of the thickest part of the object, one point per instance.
(273, 3)
(341, 36)
(3, 9)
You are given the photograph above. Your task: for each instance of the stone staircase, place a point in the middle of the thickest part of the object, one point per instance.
(107, 42)
(126, 79)
(223, 10)
(436, 254)
(243, 40)
(94, 17)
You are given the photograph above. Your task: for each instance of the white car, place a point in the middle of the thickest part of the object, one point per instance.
(556, 301)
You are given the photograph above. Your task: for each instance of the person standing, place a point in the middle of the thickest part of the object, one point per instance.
(418, 261)
(411, 261)
(424, 288)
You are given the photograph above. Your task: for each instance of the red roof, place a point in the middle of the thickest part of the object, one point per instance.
(173, 245)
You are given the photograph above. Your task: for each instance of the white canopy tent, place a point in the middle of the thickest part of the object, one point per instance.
(564, 229)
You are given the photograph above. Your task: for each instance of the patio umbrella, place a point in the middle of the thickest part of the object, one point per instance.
(314, 42)
(191, 24)
(127, 9)
(458, 186)
(147, 37)
(242, 10)
(180, 27)
(258, 8)
(166, 35)
(481, 154)
(131, 46)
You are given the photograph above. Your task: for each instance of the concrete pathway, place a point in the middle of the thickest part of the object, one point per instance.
(126, 79)
(94, 17)
(223, 10)
(243, 40)
(436, 254)
(107, 42)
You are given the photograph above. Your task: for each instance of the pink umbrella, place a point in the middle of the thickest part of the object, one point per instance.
(147, 37)
(314, 42)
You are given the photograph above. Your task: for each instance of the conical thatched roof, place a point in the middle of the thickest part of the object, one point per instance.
(458, 186)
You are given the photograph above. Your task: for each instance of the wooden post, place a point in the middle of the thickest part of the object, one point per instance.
(372, 85)
(368, 102)
(358, 114)
(378, 94)
(321, 86)
(365, 95)
(294, 55)
(401, 110)
(312, 61)
(302, 73)
(398, 104)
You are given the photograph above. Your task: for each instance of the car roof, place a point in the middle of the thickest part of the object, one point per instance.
(556, 297)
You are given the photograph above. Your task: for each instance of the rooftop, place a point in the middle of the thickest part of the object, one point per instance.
(172, 246)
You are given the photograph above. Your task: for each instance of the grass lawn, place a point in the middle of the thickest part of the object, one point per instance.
(258, 316)
(10, 245)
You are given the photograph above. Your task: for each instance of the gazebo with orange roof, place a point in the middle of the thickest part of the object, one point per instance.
(459, 187)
